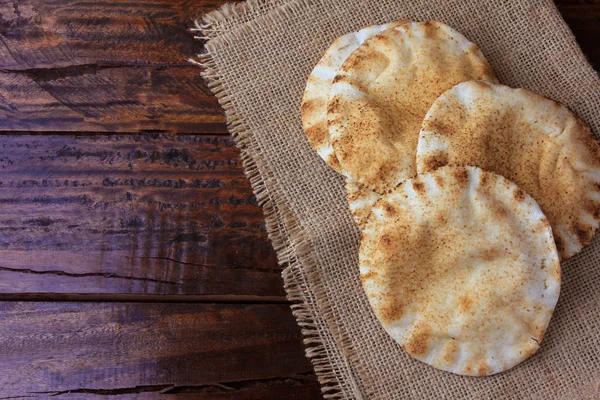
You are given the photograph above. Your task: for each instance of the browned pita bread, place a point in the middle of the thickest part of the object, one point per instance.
(360, 200)
(535, 142)
(382, 92)
(461, 269)
(316, 94)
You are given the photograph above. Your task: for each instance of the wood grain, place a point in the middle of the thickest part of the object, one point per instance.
(109, 99)
(73, 350)
(134, 214)
(62, 33)
(103, 66)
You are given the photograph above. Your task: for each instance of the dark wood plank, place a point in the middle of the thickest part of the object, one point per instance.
(109, 99)
(103, 66)
(211, 351)
(583, 17)
(133, 214)
(62, 33)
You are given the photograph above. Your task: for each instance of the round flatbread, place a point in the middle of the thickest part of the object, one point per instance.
(316, 94)
(533, 141)
(382, 92)
(360, 200)
(460, 267)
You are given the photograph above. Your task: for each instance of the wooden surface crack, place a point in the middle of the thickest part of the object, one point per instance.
(85, 274)
(276, 269)
(213, 388)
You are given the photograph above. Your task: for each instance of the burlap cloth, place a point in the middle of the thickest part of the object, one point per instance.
(257, 59)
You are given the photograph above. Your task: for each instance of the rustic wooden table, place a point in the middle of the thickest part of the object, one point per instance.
(133, 256)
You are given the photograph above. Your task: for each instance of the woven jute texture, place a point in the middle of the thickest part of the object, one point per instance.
(257, 59)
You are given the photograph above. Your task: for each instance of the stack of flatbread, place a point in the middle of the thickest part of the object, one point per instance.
(468, 193)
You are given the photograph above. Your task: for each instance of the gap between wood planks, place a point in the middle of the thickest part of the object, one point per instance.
(143, 298)
(75, 69)
(155, 132)
(50, 73)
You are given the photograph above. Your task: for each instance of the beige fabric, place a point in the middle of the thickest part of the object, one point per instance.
(461, 269)
(257, 65)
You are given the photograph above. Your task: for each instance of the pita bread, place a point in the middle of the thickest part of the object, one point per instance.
(533, 141)
(360, 200)
(316, 94)
(382, 92)
(460, 267)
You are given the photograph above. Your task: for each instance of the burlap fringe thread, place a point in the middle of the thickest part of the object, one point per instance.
(217, 22)
(280, 222)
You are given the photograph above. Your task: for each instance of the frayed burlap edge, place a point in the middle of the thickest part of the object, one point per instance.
(289, 239)
(229, 15)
